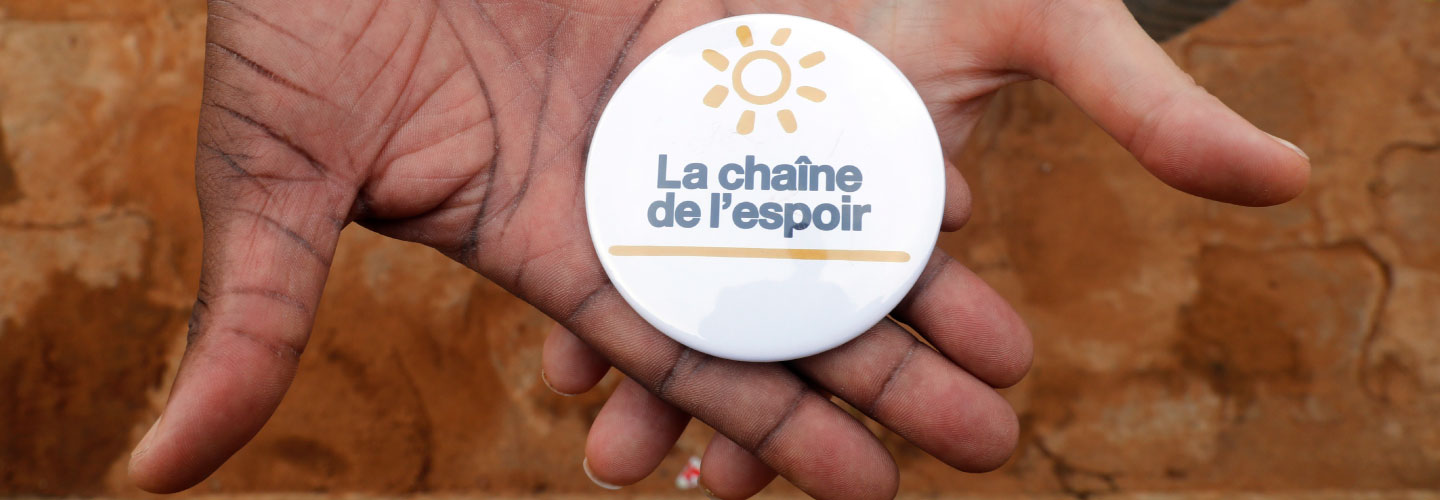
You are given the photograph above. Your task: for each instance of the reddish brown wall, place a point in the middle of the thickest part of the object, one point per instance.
(1182, 345)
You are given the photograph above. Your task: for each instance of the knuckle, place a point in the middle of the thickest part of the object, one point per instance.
(675, 373)
(282, 347)
(763, 446)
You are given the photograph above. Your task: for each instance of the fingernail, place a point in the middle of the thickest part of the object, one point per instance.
(145, 443)
(1290, 145)
(552, 388)
(585, 464)
(707, 493)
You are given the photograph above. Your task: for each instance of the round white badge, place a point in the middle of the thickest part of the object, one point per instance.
(764, 187)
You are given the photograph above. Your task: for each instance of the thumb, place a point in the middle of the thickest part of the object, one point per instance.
(1097, 54)
(271, 224)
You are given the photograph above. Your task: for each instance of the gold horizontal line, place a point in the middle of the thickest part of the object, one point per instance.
(759, 253)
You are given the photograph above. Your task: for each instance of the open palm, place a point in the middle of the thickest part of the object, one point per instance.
(463, 125)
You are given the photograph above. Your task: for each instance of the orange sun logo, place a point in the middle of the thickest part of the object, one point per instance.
(718, 93)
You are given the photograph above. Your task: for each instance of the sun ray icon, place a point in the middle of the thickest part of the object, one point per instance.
(717, 94)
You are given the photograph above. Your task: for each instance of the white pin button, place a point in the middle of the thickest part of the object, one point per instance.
(764, 187)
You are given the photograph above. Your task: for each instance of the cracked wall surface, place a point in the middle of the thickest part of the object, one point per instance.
(1182, 346)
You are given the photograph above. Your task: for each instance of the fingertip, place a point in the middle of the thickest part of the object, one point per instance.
(148, 468)
(958, 202)
(143, 447)
(631, 435)
(614, 473)
(969, 322)
(590, 473)
(730, 472)
(546, 380)
(568, 366)
(977, 434)
(223, 394)
(1290, 145)
(890, 488)
(1292, 172)
(1015, 364)
(1016, 355)
(158, 484)
(1003, 438)
(1203, 148)
(139, 470)
(1270, 175)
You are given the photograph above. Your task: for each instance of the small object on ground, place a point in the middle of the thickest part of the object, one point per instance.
(689, 477)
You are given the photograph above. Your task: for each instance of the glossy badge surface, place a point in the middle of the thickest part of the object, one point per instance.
(764, 187)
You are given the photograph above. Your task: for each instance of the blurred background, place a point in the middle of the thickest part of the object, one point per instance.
(1185, 348)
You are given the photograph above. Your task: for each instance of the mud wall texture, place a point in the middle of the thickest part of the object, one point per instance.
(1182, 345)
